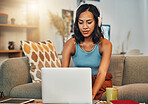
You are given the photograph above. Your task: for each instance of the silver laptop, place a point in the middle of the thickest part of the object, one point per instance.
(66, 85)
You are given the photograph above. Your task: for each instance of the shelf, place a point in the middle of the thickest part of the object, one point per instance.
(10, 1)
(18, 26)
(12, 53)
(26, 26)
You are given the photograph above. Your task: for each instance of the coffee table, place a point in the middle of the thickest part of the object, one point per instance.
(39, 101)
(36, 101)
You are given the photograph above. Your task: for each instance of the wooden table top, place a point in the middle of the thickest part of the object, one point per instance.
(36, 101)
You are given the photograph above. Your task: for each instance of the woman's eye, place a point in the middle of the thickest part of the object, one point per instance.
(80, 22)
(89, 22)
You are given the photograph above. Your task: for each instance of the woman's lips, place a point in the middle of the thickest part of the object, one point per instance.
(85, 32)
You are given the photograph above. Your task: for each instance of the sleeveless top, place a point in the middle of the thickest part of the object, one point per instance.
(90, 59)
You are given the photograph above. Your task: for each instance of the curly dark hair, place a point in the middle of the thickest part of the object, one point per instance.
(97, 33)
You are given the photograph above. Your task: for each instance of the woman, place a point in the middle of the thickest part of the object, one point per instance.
(88, 47)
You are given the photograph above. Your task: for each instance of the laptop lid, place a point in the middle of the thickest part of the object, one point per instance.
(66, 85)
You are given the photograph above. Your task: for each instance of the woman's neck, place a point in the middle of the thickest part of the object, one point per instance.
(88, 40)
(87, 45)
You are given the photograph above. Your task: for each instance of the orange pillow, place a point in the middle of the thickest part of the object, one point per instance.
(41, 54)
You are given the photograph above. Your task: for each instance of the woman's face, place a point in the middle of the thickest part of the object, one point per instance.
(86, 23)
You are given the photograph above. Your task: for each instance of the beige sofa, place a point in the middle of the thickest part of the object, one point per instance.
(129, 75)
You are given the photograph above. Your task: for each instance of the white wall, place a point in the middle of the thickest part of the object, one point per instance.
(125, 16)
(145, 22)
(122, 15)
(47, 31)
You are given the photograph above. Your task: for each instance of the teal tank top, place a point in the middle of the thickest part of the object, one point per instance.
(90, 59)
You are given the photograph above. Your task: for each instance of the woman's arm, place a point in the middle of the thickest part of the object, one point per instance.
(106, 50)
(68, 50)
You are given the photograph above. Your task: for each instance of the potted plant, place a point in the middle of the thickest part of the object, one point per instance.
(61, 24)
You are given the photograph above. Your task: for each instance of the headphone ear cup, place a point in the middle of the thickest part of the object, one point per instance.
(99, 21)
(99, 18)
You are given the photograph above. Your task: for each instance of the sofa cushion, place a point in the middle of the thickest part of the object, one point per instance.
(116, 69)
(137, 92)
(30, 90)
(136, 70)
(41, 54)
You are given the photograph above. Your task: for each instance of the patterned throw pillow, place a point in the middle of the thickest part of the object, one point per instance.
(41, 54)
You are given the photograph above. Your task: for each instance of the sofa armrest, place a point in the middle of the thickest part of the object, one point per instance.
(13, 72)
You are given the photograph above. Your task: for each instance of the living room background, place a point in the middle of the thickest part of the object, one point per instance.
(126, 18)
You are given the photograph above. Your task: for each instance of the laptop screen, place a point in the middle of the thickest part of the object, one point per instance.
(66, 85)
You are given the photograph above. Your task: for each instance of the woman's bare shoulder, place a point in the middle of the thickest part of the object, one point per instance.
(70, 46)
(70, 42)
(105, 45)
(105, 42)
